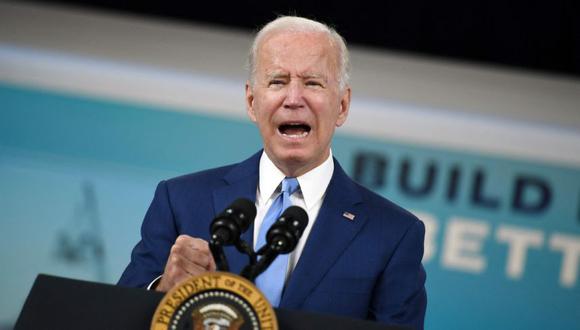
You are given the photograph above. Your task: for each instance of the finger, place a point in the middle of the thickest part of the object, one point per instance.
(199, 244)
(185, 240)
(212, 265)
(179, 267)
(172, 275)
(201, 258)
(203, 246)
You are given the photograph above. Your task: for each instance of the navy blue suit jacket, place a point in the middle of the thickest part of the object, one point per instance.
(368, 268)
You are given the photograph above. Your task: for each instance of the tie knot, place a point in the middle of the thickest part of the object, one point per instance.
(290, 185)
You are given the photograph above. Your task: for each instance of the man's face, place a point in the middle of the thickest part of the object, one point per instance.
(295, 100)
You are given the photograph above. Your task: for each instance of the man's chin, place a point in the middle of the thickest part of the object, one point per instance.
(296, 162)
(294, 159)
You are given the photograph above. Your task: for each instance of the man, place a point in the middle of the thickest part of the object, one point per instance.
(360, 255)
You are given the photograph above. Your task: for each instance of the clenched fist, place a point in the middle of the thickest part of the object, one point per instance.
(189, 256)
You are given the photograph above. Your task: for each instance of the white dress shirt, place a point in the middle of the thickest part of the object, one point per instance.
(310, 196)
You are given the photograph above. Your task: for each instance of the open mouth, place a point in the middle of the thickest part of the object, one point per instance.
(294, 130)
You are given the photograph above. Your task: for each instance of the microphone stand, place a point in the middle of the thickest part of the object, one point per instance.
(226, 229)
(245, 248)
(251, 271)
(217, 251)
(281, 238)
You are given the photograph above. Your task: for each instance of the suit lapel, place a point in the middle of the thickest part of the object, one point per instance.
(330, 236)
(240, 182)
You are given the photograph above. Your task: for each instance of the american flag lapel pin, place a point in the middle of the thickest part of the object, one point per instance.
(348, 215)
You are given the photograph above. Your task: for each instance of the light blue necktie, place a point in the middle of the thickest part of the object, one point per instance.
(271, 281)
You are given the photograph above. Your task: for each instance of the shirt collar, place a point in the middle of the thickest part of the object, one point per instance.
(313, 183)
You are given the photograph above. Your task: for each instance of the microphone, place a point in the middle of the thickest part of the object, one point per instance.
(281, 238)
(228, 226)
(285, 233)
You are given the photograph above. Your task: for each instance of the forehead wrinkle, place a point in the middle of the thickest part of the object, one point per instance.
(339, 69)
(308, 75)
(324, 51)
(277, 74)
(305, 75)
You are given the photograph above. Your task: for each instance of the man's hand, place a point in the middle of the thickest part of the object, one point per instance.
(189, 256)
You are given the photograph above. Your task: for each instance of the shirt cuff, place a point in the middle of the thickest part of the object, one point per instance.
(154, 283)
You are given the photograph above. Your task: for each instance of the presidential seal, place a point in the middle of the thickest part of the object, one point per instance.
(214, 301)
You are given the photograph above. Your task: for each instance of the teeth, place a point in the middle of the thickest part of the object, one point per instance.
(296, 136)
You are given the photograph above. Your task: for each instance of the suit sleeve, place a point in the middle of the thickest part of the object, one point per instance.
(400, 296)
(158, 233)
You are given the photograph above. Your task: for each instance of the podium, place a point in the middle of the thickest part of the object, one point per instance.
(60, 303)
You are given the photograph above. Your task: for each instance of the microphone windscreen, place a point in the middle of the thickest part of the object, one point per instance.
(296, 217)
(245, 210)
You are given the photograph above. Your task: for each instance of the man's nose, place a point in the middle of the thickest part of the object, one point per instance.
(294, 95)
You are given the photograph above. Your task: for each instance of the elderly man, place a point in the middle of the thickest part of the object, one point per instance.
(360, 255)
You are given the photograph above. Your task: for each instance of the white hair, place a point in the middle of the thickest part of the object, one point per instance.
(301, 24)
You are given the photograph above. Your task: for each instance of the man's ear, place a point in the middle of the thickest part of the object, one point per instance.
(344, 107)
(250, 102)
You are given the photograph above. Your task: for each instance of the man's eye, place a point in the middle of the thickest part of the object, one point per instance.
(313, 83)
(275, 82)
